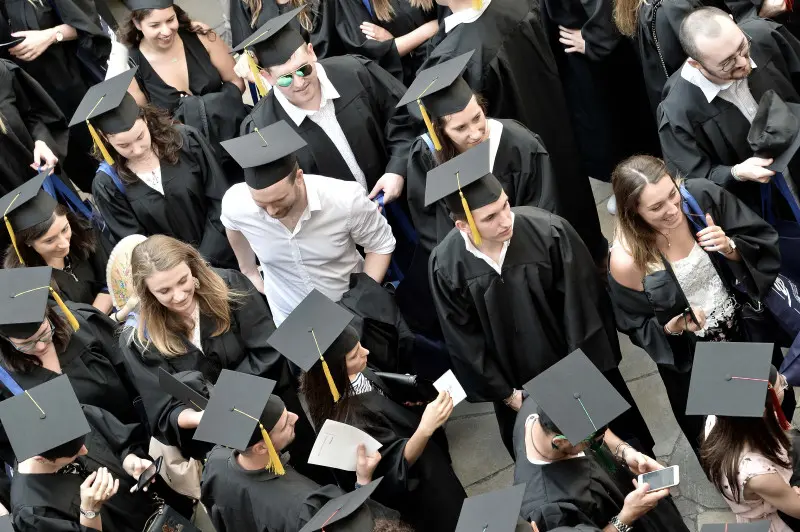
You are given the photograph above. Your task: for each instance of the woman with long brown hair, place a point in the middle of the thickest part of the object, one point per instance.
(679, 248)
(193, 317)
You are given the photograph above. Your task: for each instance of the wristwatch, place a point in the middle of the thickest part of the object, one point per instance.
(619, 525)
(732, 245)
(59, 36)
(88, 514)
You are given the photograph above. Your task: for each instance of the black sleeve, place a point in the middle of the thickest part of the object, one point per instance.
(123, 439)
(239, 16)
(599, 31)
(743, 8)
(538, 189)
(41, 115)
(550, 516)
(82, 15)
(115, 208)
(420, 162)
(38, 519)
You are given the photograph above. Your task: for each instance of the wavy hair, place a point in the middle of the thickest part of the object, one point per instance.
(426, 5)
(449, 149)
(626, 15)
(24, 363)
(130, 36)
(306, 16)
(166, 330)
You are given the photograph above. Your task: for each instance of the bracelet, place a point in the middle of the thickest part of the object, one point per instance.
(619, 525)
(507, 400)
(731, 247)
(666, 330)
(621, 446)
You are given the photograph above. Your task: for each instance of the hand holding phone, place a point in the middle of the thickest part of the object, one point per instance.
(148, 475)
(663, 478)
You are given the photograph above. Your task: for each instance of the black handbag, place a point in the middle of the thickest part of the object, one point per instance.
(166, 519)
(405, 388)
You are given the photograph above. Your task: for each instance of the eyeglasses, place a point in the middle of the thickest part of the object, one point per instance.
(30, 346)
(286, 80)
(744, 52)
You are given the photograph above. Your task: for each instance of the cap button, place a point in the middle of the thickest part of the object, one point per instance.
(42, 416)
(576, 395)
(728, 378)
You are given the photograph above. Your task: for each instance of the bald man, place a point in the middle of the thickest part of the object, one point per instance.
(710, 102)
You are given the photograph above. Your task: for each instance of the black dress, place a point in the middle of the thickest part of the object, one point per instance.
(84, 279)
(243, 348)
(28, 114)
(515, 70)
(212, 106)
(188, 210)
(60, 70)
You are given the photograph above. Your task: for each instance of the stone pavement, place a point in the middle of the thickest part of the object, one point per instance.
(483, 465)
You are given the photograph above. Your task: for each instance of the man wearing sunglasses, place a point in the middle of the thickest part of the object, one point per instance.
(710, 103)
(343, 107)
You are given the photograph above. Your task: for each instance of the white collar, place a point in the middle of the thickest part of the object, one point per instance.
(496, 266)
(709, 88)
(495, 132)
(297, 115)
(464, 17)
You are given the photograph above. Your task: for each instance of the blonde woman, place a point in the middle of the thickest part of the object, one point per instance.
(195, 317)
(246, 16)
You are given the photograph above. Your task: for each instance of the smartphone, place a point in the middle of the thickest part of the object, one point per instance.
(663, 478)
(689, 313)
(149, 473)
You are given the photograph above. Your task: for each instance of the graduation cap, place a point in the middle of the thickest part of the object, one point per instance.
(316, 327)
(180, 391)
(775, 131)
(26, 206)
(273, 44)
(347, 511)
(267, 155)
(732, 379)
(110, 107)
(441, 91)
(758, 526)
(23, 301)
(497, 511)
(5, 524)
(465, 182)
(242, 402)
(576, 397)
(136, 5)
(42, 418)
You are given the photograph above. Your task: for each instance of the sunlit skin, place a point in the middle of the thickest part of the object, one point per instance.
(40, 347)
(55, 243)
(356, 360)
(304, 92)
(493, 221)
(282, 200)
(468, 127)
(660, 205)
(173, 288)
(730, 47)
(282, 434)
(159, 28)
(135, 144)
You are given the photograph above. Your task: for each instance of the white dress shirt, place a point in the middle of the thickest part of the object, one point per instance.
(325, 118)
(735, 92)
(464, 17)
(496, 266)
(321, 251)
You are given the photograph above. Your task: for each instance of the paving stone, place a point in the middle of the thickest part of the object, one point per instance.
(606, 221)
(651, 398)
(710, 518)
(501, 480)
(476, 448)
(635, 362)
(470, 409)
(690, 524)
(694, 484)
(686, 507)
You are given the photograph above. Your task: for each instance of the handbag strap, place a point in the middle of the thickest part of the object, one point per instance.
(9, 382)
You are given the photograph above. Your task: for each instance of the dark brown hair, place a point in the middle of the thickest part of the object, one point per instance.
(81, 245)
(165, 138)
(130, 36)
(731, 437)
(315, 389)
(449, 149)
(24, 363)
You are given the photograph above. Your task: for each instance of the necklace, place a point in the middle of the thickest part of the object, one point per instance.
(533, 443)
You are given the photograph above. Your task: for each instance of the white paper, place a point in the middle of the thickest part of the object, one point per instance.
(449, 383)
(337, 446)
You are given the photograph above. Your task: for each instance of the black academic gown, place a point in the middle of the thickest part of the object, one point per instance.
(379, 135)
(87, 278)
(428, 494)
(579, 491)
(514, 69)
(189, 210)
(60, 69)
(28, 114)
(703, 139)
(241, 16)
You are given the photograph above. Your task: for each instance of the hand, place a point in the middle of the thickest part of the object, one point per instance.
(639, 502)
(572, 39)
(515, 400)
(366, 464)
(713, 238)
(534, 527)
(436, 413)
(391, 185)
(772, 8)
(34, 45)
(684, 322)
(97, 489)
(753, 169)
(640, 463)
(374, 32)
(135, 466)
(127, 308)
(189, 419)
(43, 157)
(242, 68)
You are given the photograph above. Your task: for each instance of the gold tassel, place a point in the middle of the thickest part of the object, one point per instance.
(436, 144)
(13, 239)
(275, 464)
(476, 236)
(100, 146)
(477, 4)
(262, 91)
(70, 317)
(331, 384)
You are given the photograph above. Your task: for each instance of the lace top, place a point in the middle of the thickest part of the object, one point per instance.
(703, 288)
(152, 179)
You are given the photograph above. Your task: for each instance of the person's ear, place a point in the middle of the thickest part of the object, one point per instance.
(298, 180)
(696, 64)
(311, 54)
(137, 24)
(260, 448)
(556, 439)
(463, 226)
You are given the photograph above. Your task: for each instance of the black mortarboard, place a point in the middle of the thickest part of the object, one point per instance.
(465, 182)
(274, 42)
(42, 418)
(267, 155)
(180, 391)
(24, 301)
(108, 106)
(729, 379)
(775, 131)
(136, 5)
(240, 404)
(440, 91)
(576, 397)
(306, 334)
(346, 512)
(5, 524)
(26, 206)
(758, 526)
(496, 511)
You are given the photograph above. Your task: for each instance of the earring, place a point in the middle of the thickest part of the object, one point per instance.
(196, 283)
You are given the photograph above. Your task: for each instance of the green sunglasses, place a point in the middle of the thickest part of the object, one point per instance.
(286, 80)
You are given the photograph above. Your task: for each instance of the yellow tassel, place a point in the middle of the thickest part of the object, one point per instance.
(477, 4)
(13, 239)
(275, 464)
(100, 146)
(476, 236)
(331, 384)
(70, 318)
(436, 144)
(262, 91)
